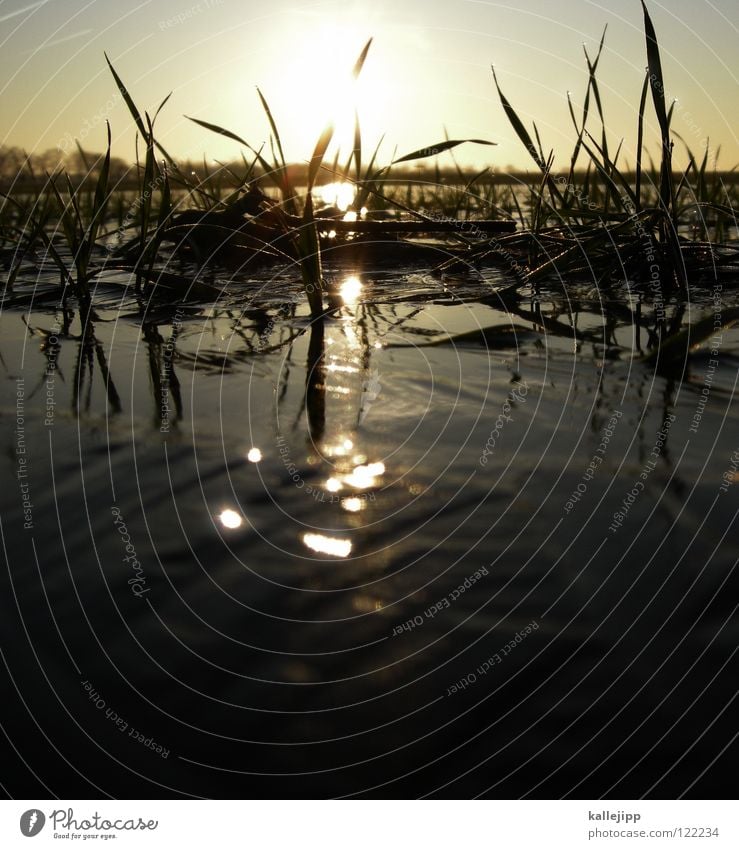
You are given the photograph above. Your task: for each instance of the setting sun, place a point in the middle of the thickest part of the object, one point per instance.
(316, 80)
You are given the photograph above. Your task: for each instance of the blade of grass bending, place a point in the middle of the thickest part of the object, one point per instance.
(214, 128)
(273, 127)
(159, 108)
(136, 115)
(280, 169)
(127, 97)
(523, 135)
(432, 150)
(517, 125)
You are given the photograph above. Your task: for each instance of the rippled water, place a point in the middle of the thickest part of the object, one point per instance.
(438, 545)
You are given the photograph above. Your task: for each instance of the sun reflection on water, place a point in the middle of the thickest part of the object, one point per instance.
(352, 504)
(328, 545)
(361, 477)
(230, 519)
(350, 290)
(340, 195)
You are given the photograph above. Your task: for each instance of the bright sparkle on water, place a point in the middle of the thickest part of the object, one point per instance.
(230, 519)
(340, 195)
(350, 290)
(363, 477)
(328, 545)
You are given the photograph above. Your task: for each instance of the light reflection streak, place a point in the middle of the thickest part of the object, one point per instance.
(328, 545)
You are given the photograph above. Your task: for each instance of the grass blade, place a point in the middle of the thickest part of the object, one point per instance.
(438, 148)
(518, 126)
(318, 153)
(273, 127)
(309, 251)
(359, 64)
(222, 132)
(100, 202)
(640, 140)
(127, 97)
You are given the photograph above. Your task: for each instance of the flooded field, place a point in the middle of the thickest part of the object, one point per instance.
(439, 543)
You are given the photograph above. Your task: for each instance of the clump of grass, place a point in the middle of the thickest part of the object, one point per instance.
(80, 230)
(603, 224)
(594, 219)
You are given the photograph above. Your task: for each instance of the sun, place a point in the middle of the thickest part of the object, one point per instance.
(314, 86)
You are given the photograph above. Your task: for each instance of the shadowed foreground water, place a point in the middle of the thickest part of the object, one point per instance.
(438, 546)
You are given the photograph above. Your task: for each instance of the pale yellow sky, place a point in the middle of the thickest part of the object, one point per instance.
(429, 69)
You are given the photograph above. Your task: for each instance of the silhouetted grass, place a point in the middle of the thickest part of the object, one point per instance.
(595, 219)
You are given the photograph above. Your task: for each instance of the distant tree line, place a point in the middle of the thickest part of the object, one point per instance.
(20, 171)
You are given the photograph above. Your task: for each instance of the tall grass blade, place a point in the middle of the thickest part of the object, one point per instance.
(357, 151)
(640, 140)
(318, 154)
(127, 98)
(135, 112)
(309, 251)
(658, 97)
(273, 127)
(518, 126)
(100, 201)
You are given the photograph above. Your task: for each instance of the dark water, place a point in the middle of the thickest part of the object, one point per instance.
(415, 585)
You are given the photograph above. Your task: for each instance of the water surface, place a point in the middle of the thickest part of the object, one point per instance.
(440, 544)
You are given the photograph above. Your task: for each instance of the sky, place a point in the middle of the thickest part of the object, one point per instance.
(427, 73)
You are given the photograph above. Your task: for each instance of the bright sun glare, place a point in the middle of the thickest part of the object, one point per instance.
(316, 86)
